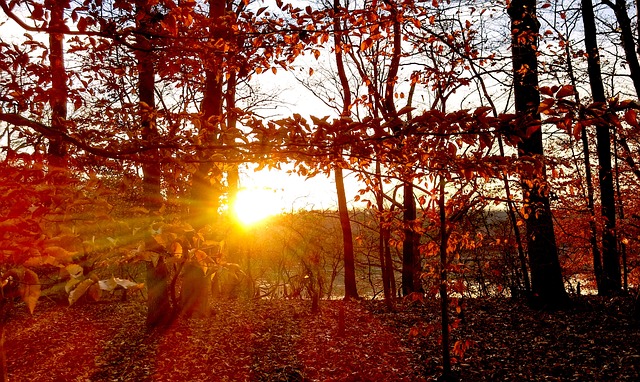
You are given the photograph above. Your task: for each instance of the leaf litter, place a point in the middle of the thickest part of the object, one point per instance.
(597, 339)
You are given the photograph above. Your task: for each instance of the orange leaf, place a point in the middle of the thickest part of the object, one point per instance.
(577, 130)
(30, 289)
(565, 91)
(533, 128)
(366, 44)
(631, 117)
(545, 106)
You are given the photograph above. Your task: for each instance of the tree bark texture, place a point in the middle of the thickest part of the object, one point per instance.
(59, 90)
(146, 92)
(410, 258)
(546, 276)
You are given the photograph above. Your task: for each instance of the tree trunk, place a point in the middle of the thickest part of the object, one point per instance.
(350, 288)
(610, 283)
(411, 281)
(623, 246)
(546, 276)
(444, 301)
(194, 296)
(593, 237)
(514, 226)
(386, 263)
(204, 197)
(626, 35)
(159, 310)
(59, 91)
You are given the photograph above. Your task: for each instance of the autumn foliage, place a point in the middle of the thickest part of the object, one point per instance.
(471, 132)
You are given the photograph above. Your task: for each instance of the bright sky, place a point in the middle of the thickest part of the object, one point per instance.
(292, 192)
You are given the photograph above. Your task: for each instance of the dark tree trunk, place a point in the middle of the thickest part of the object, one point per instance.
(159, 310)
(593, 237)
(194, 296)
(410, 259)
(546, 276)
(620, 208)
(350, 288)
(610, 282)
(444, 300)
(152, 198)
(626, 35)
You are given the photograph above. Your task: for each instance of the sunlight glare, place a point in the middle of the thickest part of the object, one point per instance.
(255, 204)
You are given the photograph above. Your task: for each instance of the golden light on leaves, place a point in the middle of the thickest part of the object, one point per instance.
(254, 204)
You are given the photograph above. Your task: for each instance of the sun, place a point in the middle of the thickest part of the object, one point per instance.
(255, 204)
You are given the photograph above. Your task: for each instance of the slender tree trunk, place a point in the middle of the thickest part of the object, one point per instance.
(546, 275)
(444, 298)
(411, 262)
(59, 90)
(626, 35)
(159, 312)
(593, 237)
(386, 263)
(623, 246)
(593, 229)
(516, 230)
(351, 290)
(610, 283)
(511, 208)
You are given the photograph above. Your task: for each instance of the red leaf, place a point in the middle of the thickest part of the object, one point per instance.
(38, 12)
(532, 129)
(565, 91)
(577, 130)
(82, 24)
(631, 117)
(546, 105)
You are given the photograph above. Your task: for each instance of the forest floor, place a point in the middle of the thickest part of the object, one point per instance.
(281, 340)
